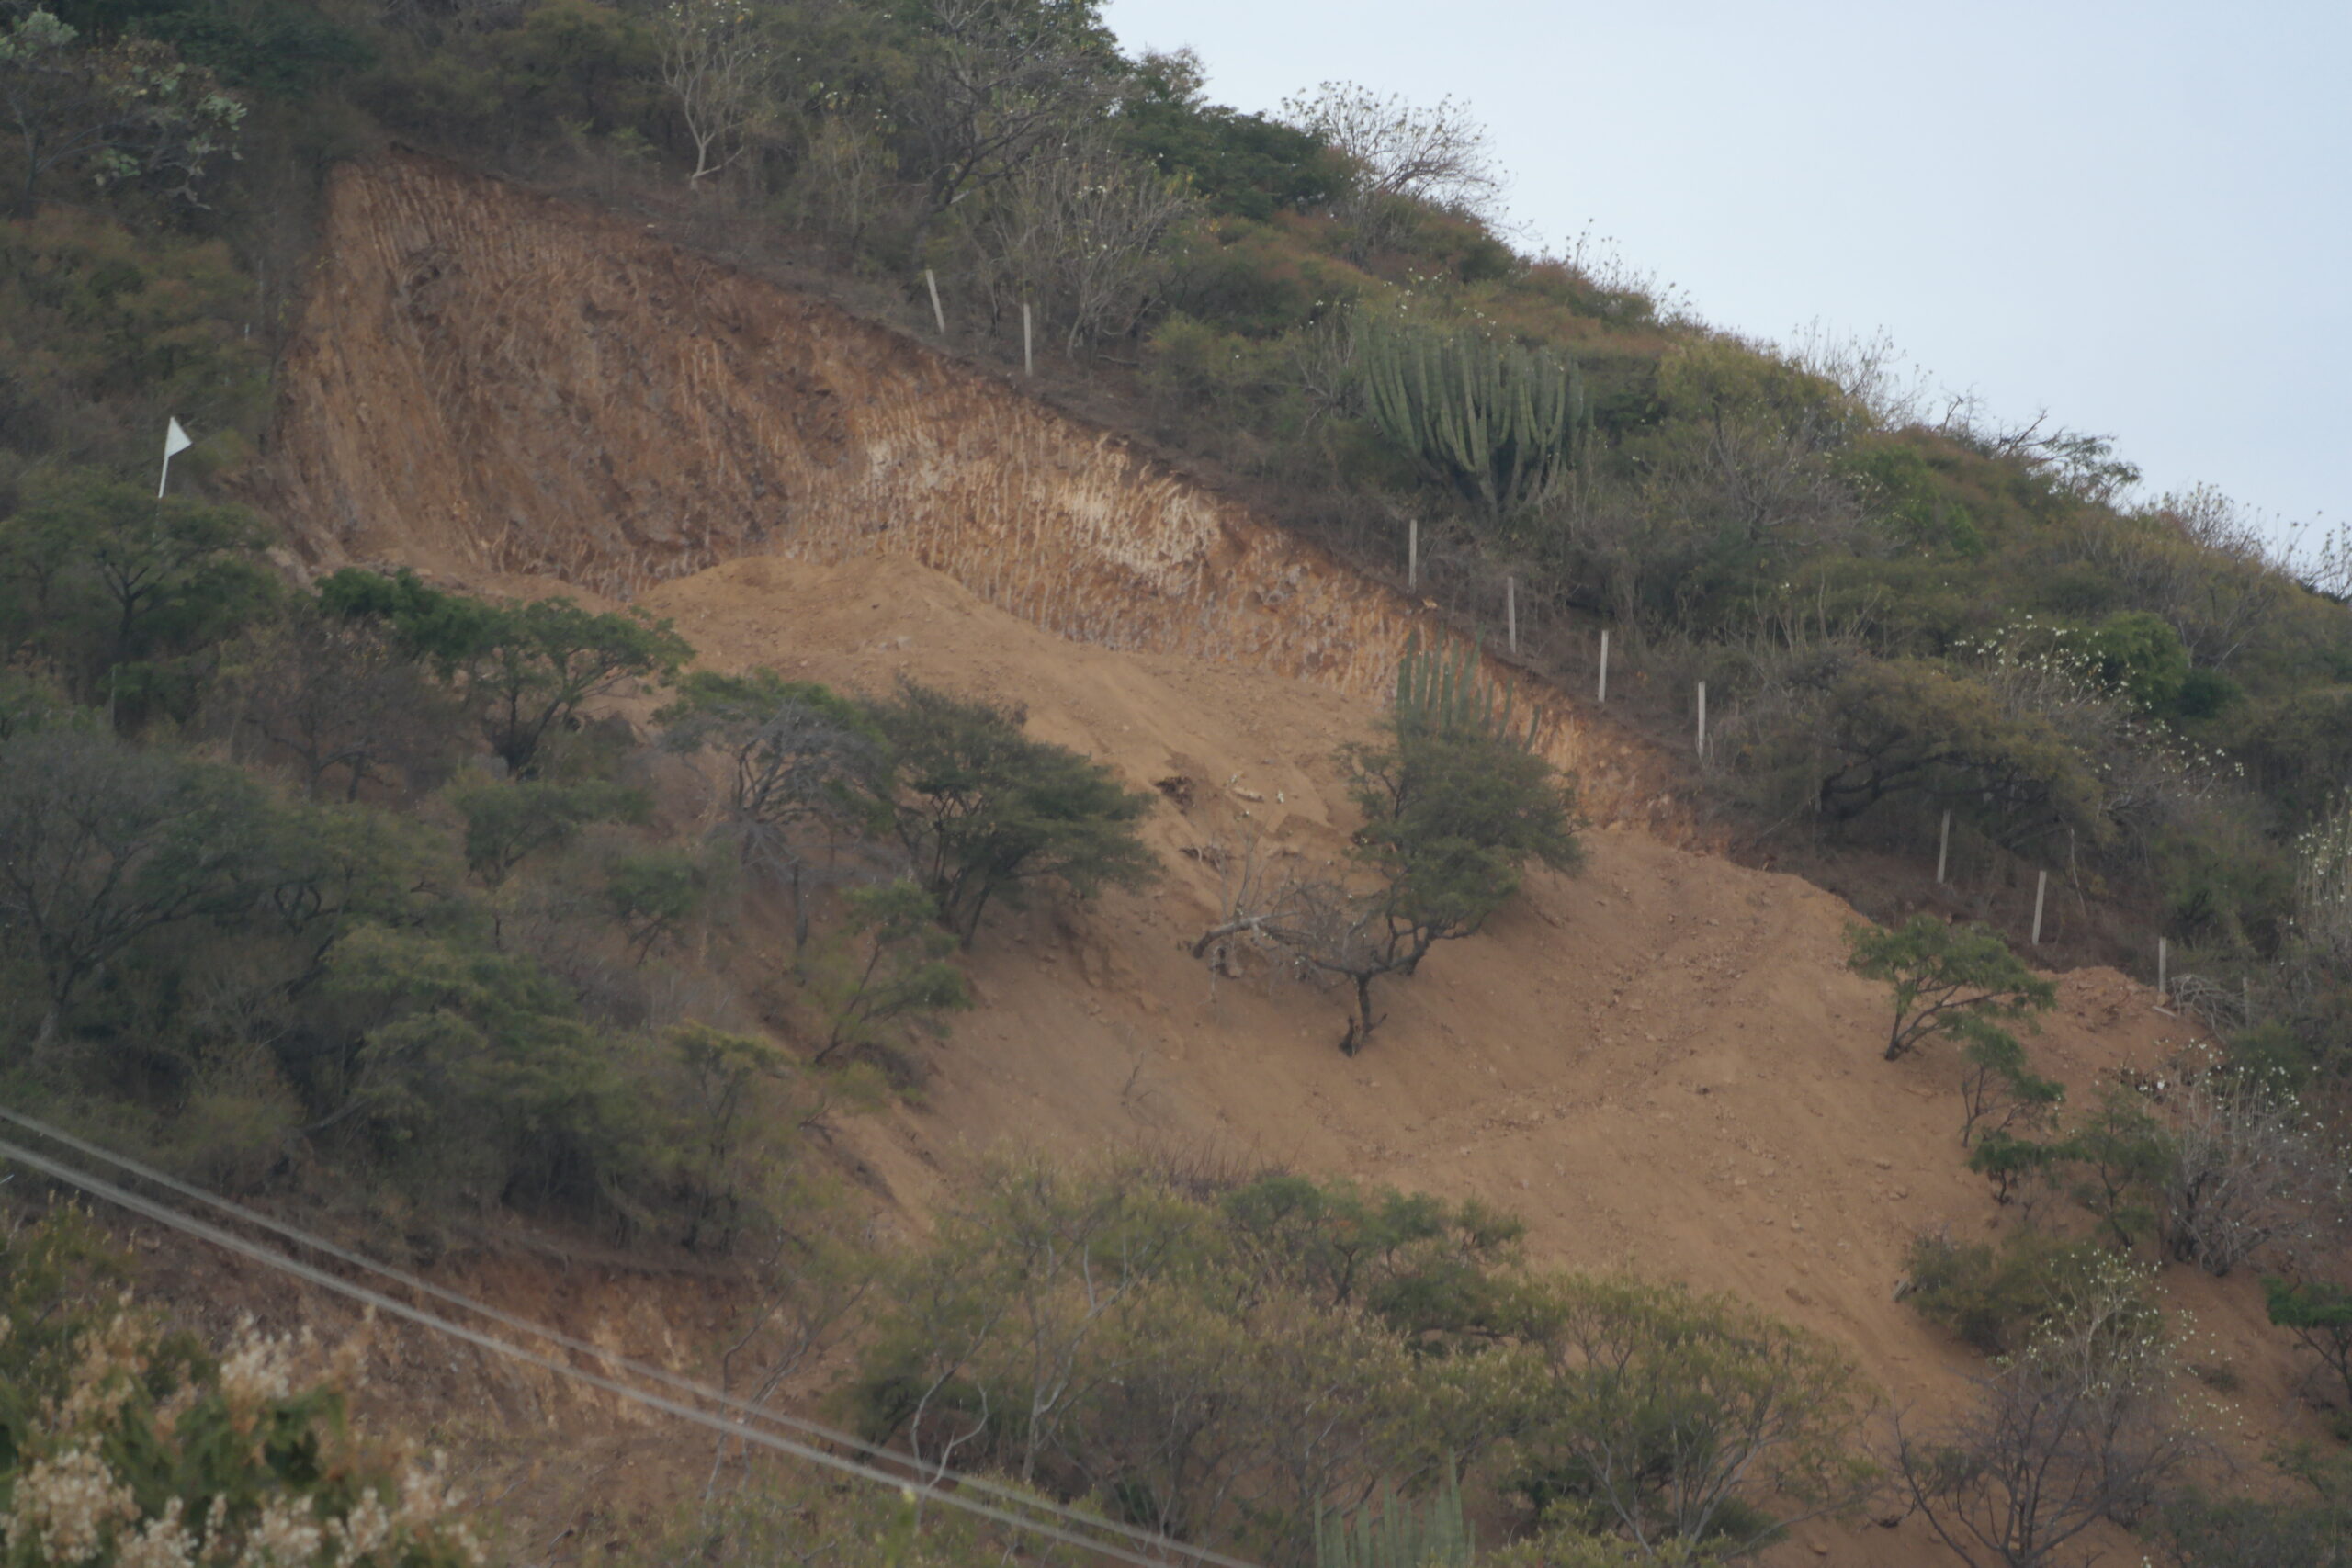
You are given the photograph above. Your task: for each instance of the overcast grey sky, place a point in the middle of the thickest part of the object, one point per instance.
(2137, 216)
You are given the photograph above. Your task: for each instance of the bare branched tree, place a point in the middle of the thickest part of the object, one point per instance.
(995, 83)
(1436, 155)
(719, 64)
(2247, 1171)
(329, 695)
(2072, 1432)
(1081, 233)
(794, 768)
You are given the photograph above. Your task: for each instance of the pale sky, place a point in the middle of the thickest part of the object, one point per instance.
(2137, 216)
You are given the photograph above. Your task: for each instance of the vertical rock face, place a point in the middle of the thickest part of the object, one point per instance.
(487, 381)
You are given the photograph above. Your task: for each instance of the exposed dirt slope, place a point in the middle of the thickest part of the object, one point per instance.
(486, 380)
(1660, 1062)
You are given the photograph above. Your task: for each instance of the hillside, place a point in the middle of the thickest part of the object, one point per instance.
(1661, 1062)
(856, 694)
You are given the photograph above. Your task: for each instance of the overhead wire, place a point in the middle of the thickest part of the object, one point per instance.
(647, 1369)
(737, 1426)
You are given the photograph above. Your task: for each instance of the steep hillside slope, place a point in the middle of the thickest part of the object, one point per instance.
(487, 381)
(1661, 1061)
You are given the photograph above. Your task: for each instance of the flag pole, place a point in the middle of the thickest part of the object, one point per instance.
(175, 440)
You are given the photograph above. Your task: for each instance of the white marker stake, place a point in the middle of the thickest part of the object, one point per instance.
(1943, 848)
(936, 314)
(1412, 552)
(1510, 610)
(1604, 666)
(2041, 887)
(1028, 357)
(1702, 718)
(175, 440)
(2164, 957)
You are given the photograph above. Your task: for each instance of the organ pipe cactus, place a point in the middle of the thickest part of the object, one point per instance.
(1397, 1534)
(1439, 693)
(1493, 421)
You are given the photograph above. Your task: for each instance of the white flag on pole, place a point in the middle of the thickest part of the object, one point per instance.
(175, 440)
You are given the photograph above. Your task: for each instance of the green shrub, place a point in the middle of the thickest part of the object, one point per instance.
(1948, 978)
(1397, 1533)
(1676, 1418)
(985, 813)
(899, 985)
(2319, 1316)
(1995, 1297)
(2312, 1527)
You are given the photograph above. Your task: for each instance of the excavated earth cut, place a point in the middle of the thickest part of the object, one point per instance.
(490, 382)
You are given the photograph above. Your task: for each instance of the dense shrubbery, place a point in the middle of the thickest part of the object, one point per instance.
(473, 989)
(1223, 1358)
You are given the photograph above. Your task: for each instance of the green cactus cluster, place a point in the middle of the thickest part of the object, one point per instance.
(1494, 420)
(1397, 1534)
(1440, 691)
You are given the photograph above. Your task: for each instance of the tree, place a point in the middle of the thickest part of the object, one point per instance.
(1082, 233)
(525, 668)
(115, 584)
(993, 84)
(2071, 1432)
(653, 894)
(102, 843)
(2245, 1171)
(129, 111)
(984, 812)
(334, 694)
(506, 824)
(799, 758)
(1455, 802)
(1997, 1088)
(1945, 976)
(2123, 1156)
(1674, 1419)
(2320, 1314)
(538, 663)
(1900, 726)
(719, 64)
(1397, 153)
(902, 980)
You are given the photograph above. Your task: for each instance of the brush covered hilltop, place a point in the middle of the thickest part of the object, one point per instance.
(874, 793)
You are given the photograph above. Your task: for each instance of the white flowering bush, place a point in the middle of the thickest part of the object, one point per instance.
(125, 1445)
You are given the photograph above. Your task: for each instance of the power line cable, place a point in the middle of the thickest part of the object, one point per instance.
(163, 1214)
(641, 1368)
